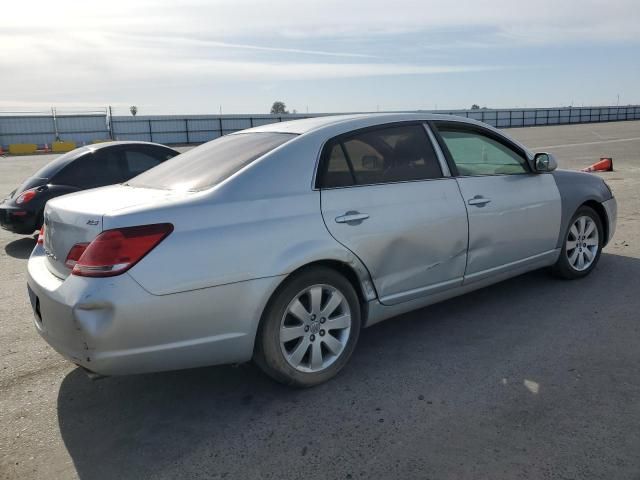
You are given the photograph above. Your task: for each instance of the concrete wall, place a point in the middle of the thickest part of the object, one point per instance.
(175, 129)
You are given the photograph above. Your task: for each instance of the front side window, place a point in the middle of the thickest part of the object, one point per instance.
(384, 155)
(211, 163)
(477, 154)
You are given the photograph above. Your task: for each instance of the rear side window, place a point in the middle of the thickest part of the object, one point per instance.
(137, 161)
(478, 154)
(384, 155)
(53, 167)
(92, 170)
(211, 163)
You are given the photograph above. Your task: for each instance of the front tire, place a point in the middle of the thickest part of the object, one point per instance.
(582, 245)
(309, 328)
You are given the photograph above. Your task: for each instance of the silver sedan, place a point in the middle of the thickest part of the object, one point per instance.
(281, 242)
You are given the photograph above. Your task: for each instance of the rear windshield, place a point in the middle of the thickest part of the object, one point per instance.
(211, 163)
(53, 167)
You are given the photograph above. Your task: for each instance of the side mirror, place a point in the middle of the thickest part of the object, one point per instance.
(544, 162)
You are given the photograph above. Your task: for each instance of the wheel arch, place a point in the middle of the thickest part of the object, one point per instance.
(579, 189)
(347, 271)
(356, 275)
(602, 213)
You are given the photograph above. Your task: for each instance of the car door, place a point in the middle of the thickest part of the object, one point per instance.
(514, 213)
(384, 197)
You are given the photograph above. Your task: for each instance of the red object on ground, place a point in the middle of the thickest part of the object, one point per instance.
(604, 165)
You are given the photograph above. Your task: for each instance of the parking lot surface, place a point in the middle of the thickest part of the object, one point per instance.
(530, 378)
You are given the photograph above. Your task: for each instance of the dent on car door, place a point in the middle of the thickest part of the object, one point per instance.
(384, 197)
(514, 214)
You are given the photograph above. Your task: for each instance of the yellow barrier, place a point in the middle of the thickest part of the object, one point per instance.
(63, 146)
(22, 148)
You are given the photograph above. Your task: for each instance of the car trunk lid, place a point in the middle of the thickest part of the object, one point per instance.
(78, 218)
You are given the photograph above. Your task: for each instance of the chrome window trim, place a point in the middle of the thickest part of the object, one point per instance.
(386, 183)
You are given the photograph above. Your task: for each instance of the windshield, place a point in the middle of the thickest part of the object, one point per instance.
(211, 163)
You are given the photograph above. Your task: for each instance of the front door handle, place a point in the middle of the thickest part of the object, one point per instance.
(352, 218)
(479, 201)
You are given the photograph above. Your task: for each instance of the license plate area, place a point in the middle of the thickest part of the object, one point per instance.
(35, 304)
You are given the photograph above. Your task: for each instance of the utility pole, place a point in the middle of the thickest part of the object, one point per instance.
(110, 123)
(55, 123)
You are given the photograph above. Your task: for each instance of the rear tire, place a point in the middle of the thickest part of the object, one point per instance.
(309, 329)
(582, 245)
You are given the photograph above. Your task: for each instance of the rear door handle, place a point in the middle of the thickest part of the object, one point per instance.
(479, 201)
(353, 218)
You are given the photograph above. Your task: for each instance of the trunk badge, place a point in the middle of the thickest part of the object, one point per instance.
(92, 222)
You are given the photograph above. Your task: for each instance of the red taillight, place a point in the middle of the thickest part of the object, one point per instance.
(115, 251)
(26, 196)
(41, 236)
(74, 254)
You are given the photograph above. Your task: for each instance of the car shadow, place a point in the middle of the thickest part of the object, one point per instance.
(425, 371)
(20, 248)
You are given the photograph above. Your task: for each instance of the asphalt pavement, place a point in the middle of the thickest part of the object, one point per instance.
(530, 378)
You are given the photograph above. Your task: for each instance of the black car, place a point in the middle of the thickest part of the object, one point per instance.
(83, 168)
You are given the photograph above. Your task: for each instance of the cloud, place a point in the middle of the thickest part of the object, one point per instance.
(260, 71)
(174, 41)
(94, 48)
(572, 20)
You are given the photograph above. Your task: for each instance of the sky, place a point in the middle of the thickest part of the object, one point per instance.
(239, 56)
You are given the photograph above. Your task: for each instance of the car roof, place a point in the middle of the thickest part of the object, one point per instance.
(331, 125)
(57, 164)
(98, 146)
(354, 121)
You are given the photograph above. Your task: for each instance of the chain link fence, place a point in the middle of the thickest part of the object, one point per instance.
(43, 128)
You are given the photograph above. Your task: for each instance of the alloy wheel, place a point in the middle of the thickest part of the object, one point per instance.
(315, 328)
(582, 243)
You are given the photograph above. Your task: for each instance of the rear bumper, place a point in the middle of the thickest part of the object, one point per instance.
(611, 207)
(17, 220)
(113, 326)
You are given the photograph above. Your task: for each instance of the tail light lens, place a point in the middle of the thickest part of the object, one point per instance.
(40, 240)
(74, 254)
(26, 196)
(115, 251)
